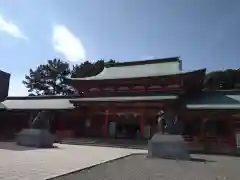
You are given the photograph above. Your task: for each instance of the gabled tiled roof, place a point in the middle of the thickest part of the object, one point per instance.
(38, 103)
(137, 69)
(2, 107)
(215, 100)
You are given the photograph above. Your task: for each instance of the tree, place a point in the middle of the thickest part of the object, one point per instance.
(225, 80)
(47, 79)
(88, 69)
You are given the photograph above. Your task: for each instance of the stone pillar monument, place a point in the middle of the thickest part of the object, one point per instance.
(168, 143)
(38, 134)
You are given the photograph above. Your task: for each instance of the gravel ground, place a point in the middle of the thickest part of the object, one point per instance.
(139, 167)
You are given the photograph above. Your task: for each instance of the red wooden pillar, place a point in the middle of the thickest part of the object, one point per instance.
(142, 124)
(105, 126)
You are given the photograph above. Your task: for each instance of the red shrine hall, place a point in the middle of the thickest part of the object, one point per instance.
(126, 100)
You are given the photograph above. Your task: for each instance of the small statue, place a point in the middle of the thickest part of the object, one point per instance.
(160, 121)
(168, 124)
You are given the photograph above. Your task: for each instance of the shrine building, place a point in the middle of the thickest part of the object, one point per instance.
(127, 99)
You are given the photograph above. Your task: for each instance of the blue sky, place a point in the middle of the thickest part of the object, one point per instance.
(204, 33)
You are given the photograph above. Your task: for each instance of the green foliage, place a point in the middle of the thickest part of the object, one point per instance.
(87, 69)
(48, 79)
(223, 80)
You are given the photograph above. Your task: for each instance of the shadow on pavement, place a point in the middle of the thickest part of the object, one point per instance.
(12, 146)
(201, 160)
(192, 159)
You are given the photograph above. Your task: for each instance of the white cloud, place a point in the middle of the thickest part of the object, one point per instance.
(68, 44)
(16, 87)
(11, 28)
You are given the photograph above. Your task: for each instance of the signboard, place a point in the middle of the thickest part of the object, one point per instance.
(88, 123)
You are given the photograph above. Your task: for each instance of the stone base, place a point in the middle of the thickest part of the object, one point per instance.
(36, 138)
(237, 152)
(168, 146)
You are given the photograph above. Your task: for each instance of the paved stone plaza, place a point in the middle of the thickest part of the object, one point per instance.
(37, 164)
(138, 167)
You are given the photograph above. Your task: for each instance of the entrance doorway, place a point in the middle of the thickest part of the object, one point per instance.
(127, 131)
(127, 127)
(217, 135)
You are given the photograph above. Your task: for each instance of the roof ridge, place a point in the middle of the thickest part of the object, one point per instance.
(143, 62)
(41, 97)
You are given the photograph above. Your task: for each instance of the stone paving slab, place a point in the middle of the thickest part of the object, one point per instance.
(39, 164)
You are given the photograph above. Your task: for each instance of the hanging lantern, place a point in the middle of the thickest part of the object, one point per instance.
(175, 119)
(135, 115)
(88, 123)
(119, 114)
